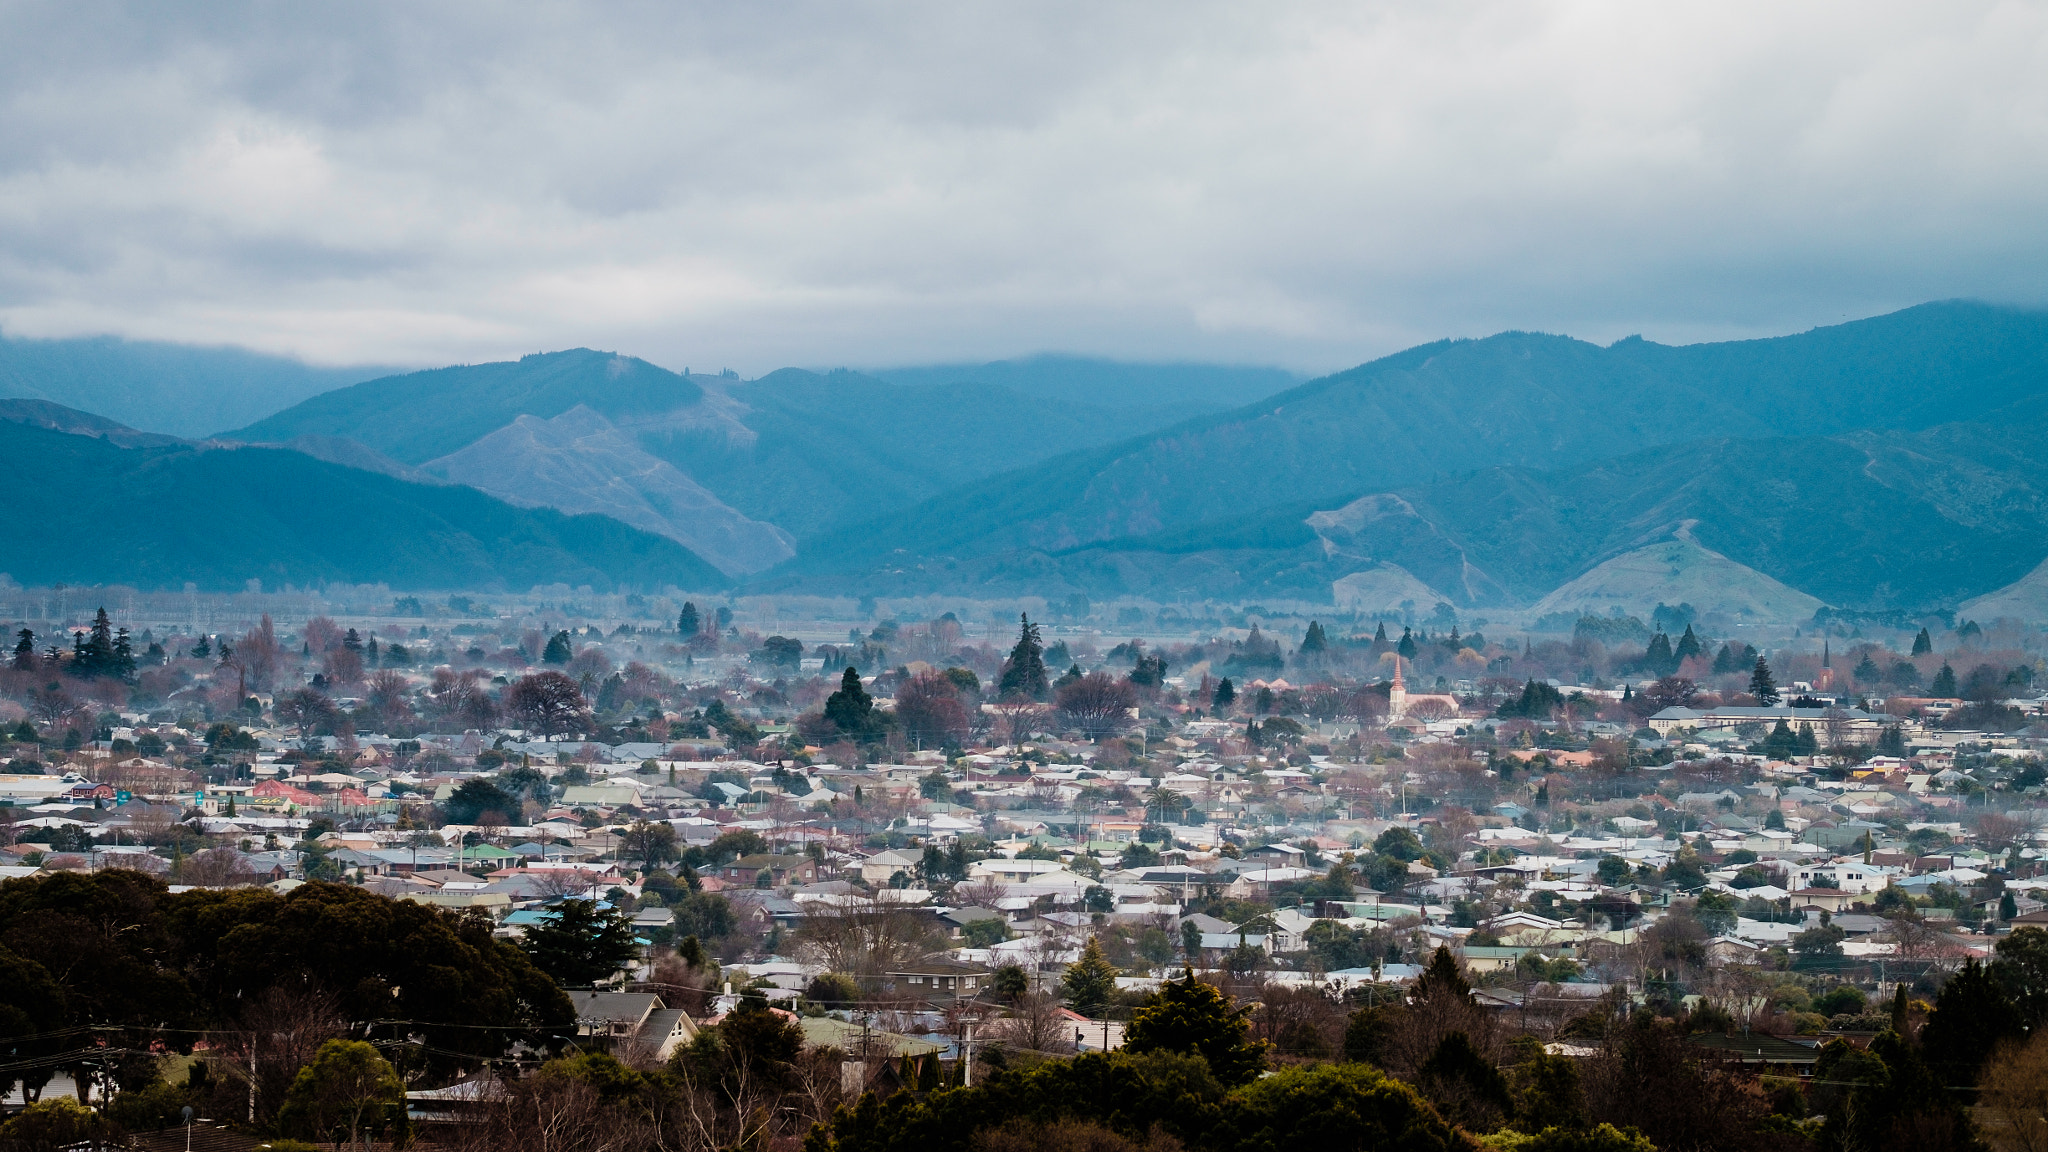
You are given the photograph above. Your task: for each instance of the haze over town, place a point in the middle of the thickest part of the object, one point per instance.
(1181, 578)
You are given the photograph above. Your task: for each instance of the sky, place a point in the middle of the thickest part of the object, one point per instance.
(752, 186)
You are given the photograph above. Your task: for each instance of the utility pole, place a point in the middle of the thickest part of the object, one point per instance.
(967, 1023)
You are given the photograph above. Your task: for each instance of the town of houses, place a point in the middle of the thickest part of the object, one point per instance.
(1756, 856)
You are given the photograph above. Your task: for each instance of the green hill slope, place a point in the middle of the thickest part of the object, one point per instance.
(802, 450)
(1866, 519)
(417, 417)
(1513, 400)
(837, 448)
(88, 511)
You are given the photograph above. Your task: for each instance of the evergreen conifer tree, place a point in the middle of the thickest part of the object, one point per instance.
(1023, 673)
(1725, 661)
(1944, 681)
(1314, 642)
(1688, 645)
(1891, 741)
(689, 623)
(25, 651)
(96, 656)
(1808, 743)
(851, 709)
(1762, 685)
(1407, 648)
(1226, 695)
(1923, 644)
(1658, 657)
(558, 651)
(1379, 637)
(1090, 981)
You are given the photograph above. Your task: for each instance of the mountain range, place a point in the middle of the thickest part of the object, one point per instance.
(1888, 463)
(764, 462)
(1896, 463)
(177, 389)
(92, 505)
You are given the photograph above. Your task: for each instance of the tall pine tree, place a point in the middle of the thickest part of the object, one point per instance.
(1688, 646)
(1658, 657)
(689, 623)
(25, 651)
(558, 651)
(1944, 681)
(1023, 674)
(1314, 642)
(1762, 684)
(1923, 644)
(851, 709)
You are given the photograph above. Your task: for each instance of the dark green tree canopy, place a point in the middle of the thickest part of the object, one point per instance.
(1023, 675)
(559, 649)
(580, 944)
(126, 952)
(1315, 641)
(475, 797)
(1193, 1017)
(851, 709)
(1762, 684)
(1089, 982)
(1944, 682)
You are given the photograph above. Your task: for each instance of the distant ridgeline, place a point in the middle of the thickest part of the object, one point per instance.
(1892, 466)
(1889, 465)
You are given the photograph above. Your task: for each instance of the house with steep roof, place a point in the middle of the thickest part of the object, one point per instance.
(630, 1024)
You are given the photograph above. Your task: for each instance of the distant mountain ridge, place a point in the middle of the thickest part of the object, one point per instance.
(1894, 463)
(580, 462)
(176, 389)
(803, 451)
(1516, 399)
(1093, 382)
(159, 515)
(1517, 463)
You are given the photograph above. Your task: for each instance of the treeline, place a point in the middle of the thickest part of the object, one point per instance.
(102, 650)
(101, 973)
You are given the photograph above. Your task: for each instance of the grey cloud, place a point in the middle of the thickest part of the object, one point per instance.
(827, 183)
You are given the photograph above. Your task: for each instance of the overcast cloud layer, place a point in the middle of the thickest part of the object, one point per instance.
(760, 185)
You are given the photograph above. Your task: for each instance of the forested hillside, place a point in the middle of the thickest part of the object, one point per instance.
(91, 512)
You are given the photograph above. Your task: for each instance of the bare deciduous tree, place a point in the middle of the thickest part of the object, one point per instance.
(1034, 1024)
(285, 1026)
(2013, 1100)
(216, 868)
(866, 938)
(1097, 704)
